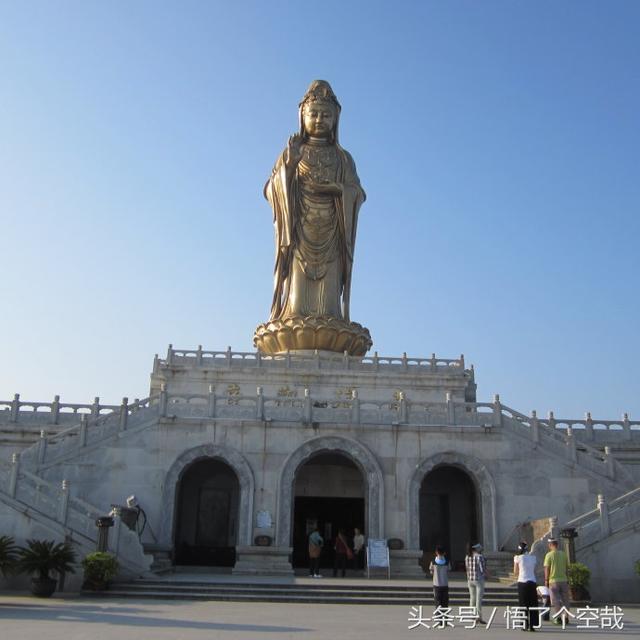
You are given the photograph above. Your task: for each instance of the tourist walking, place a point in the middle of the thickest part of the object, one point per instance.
(342, 552)
(315, 549)
(476, 566)
(524, 565)
(439, 568)
(556, 566)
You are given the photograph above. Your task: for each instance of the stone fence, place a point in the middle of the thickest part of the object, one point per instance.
(608, 518)
(229, 359)
(399, 413)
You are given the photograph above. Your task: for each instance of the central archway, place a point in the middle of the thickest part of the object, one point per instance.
(357, 455)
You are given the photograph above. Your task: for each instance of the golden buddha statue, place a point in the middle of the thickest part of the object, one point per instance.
(315, 195)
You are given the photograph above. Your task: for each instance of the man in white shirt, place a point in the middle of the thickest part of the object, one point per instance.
(524, 564)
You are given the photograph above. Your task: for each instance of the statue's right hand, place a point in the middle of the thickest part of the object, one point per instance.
(293, 154)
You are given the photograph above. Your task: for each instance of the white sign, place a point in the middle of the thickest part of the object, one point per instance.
(263, 520)
(377, 553)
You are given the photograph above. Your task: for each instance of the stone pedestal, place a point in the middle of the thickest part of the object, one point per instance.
(404, 564)
(261, 561)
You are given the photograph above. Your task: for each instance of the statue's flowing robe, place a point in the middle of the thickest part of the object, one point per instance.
(315, 239)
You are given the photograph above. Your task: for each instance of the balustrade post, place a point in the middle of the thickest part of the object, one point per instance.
(432, 362)
(55, 410)
(376, 361)
(162, 401)
(402, 409)
(13, 478)
(63, 506)
(15, 407)
(497, 411)
(535, 427)
(316, 356)
(405, 364)
(199, 356)
(355, 406)
(228, 356)
(83, 430)
(345, 359)
(552, 421)
(626, 426)
(603, 509)
(258, 359)
(451, 410)
(307, 406)
(124, 414)
(288, 359)
(462, 361)
(588, 426)
(572, 452)
(95, 407)
(212, 401)
(259, 404)
(170, 354)
(610, 462)
(42, 446)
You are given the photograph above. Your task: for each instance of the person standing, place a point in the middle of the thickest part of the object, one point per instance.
(358, 549)
(556, 565)
(439, 568)
(315, 549)
(476, 566)
(524, 564)
(342, 552)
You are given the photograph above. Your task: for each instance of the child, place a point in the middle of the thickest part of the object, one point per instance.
(439, 568)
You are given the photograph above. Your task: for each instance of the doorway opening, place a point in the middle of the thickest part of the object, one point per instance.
(207, 515)
(448, 513)
(329, 492)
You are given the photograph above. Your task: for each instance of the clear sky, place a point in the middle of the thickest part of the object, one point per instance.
(498, 142)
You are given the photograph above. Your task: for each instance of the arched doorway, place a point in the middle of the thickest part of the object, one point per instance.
(449, 511)
(329, 492)
(207, 518)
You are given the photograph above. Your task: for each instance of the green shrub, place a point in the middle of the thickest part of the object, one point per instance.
(42, 556)
(8, 555)
(638, 567)
(99, 567)
(579, 575)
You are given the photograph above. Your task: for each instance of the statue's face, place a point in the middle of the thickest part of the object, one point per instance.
(319, 119)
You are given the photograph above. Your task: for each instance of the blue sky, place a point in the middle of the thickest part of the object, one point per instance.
(498, 143)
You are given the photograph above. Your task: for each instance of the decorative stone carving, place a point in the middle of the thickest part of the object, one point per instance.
(245, 479)
(363, 458)
(484, 486)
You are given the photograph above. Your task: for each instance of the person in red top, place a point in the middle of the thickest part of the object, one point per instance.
(343, 552)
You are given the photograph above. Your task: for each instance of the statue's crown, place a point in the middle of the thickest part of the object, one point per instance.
(320, 91)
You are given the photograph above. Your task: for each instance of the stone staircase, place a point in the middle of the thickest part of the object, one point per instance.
(305, 590)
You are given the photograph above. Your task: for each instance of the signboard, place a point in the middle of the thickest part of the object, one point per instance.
(378, 555)
(263, 520)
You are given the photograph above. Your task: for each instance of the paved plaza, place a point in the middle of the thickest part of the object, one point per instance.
(75, 618)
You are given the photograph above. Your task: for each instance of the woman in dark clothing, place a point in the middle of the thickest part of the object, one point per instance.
(342, 553)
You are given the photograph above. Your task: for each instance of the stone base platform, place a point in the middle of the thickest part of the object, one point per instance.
(263, 561)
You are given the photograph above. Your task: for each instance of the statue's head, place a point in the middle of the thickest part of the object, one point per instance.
(319, 112)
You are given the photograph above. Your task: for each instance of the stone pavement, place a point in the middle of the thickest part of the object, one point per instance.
(23, 617)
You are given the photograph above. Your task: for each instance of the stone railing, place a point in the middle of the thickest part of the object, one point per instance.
(35, 495)
(88, 431)
(607, 518)
(558, 436)
(231, 359)
(18, 411)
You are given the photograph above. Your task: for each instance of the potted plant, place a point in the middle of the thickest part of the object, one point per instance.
(40, 557)
(638, 567)
(8, 555)
(99, 568)
(579, 576)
